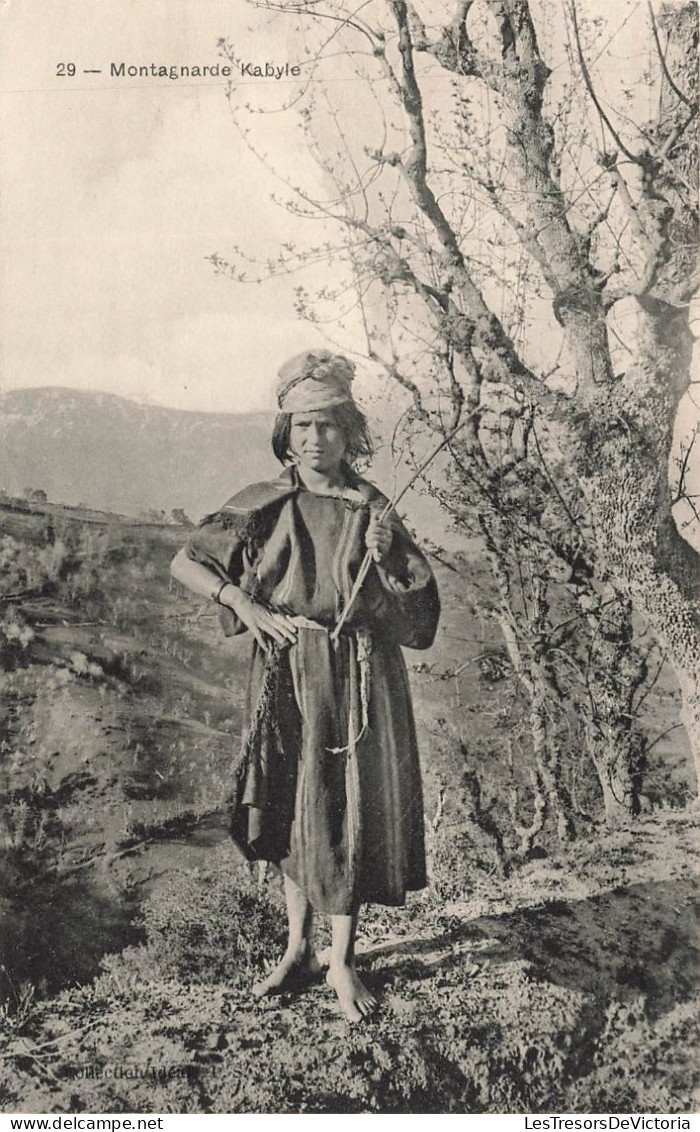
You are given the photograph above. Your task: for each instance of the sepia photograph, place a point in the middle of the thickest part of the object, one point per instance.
(349, 559)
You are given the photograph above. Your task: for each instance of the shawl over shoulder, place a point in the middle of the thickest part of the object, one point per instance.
(230, 542)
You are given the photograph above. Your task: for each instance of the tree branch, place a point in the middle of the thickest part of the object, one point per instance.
(455, 51)
(588, 82)
(662, 59)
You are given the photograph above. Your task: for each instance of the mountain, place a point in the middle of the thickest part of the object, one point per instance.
(114, 454)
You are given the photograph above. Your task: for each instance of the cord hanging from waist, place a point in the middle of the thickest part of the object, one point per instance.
(363, 644)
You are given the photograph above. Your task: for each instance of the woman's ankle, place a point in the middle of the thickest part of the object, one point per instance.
(300, 948)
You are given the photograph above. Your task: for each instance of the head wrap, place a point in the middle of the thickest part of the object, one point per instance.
(313, 380)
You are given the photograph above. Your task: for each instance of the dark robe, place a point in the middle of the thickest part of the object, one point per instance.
(328, 784)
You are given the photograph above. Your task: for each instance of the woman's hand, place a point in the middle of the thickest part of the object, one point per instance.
(379, 534)
(266, 626)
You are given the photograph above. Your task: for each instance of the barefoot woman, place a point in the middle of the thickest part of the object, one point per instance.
(328, 785)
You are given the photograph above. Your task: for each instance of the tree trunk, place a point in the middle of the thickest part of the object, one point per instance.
(614, 673)
(548, 755)
(621, 448)
(613, 755)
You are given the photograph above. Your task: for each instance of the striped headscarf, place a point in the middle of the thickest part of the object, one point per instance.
(316, 379)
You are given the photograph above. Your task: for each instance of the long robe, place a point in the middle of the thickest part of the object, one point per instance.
(328, 784)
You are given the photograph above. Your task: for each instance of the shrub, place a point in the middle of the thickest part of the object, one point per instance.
(207, 926)
(24, 566)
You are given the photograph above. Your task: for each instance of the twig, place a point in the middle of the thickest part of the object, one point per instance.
(392, 503)
(68, 1034)
(673, 727)
(21, 595)
(662, 59)
(588, 82)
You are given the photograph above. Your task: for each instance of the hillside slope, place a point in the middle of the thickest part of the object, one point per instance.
(569, 989)
(130, 933)
(106, 452)
(118, 455)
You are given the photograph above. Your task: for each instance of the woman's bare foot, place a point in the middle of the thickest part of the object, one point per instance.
(355, 1000)
(297, 967)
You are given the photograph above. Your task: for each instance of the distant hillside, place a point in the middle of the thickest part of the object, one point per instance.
(117, 455)
(112, 454)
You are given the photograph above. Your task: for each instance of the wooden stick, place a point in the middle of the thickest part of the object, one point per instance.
(393, 502)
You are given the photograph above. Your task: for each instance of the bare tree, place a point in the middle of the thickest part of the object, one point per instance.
(520, 257)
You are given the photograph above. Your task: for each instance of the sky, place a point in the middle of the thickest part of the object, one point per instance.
(113, 193)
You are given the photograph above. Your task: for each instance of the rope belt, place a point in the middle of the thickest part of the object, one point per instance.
(363, 641)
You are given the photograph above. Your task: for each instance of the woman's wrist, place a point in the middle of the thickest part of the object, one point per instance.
(217, 594)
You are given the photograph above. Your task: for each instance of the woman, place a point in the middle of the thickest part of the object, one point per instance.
(328, 786)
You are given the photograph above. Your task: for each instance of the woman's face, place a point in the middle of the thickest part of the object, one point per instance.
(316, 440)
